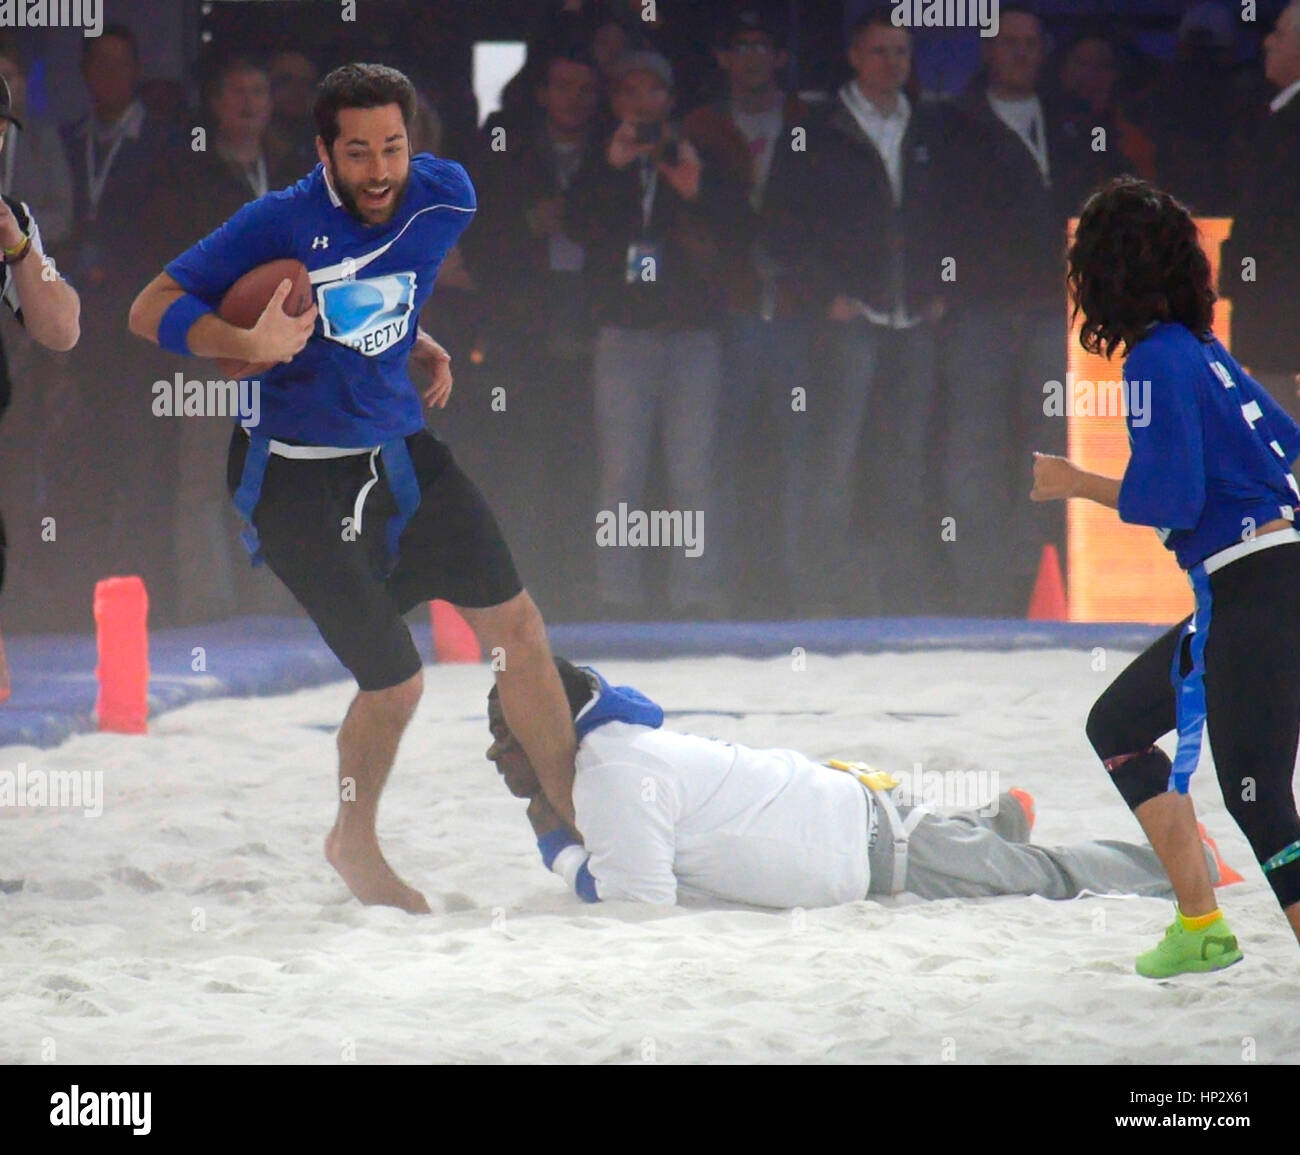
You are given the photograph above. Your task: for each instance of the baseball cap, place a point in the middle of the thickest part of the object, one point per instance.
(749, 19)
(1210, 22)
(7, 103)
(643, 61)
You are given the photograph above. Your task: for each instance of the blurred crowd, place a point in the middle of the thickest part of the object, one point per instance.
(822, 320)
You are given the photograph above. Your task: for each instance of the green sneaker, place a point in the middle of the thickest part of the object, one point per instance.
(1181, 951)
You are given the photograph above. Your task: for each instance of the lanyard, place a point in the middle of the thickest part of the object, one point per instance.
(9, 156)
(97, 181)
(1037, 141)
(256, 176)
(649, 186)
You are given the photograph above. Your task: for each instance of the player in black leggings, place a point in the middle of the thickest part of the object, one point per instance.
(1211, 470)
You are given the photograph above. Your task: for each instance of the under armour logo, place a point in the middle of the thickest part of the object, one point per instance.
(320, 243)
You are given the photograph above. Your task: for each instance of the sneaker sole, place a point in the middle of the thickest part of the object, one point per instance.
(1198, 966)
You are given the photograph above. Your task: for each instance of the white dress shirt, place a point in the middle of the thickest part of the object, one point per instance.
(1025, 118)
(886, 132)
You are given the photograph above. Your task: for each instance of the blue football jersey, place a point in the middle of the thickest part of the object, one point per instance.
(349, 387)
(1212, 453)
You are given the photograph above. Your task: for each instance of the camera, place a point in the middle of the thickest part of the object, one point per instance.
(665, 139)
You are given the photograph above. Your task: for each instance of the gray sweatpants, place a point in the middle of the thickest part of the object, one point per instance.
(973, 856)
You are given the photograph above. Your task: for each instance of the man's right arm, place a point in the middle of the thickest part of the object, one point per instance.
(177, 308)
(275, 337)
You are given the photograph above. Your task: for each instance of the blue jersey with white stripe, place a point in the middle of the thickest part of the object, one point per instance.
(349, 386)
(1212, 453)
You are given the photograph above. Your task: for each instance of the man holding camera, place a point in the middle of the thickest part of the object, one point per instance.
(659, 222)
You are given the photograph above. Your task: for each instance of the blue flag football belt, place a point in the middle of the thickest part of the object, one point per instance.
(1189, 688)
(399, 471)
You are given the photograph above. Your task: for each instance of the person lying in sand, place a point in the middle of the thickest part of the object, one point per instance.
(664, 814)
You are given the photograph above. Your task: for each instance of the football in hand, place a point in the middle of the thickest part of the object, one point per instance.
(246, 300)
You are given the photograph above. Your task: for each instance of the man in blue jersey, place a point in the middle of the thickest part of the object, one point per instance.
(359, 510)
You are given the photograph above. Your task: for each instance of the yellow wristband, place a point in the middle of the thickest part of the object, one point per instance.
(18, 248)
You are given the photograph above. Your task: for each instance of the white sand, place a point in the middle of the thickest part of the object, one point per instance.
(216, 820)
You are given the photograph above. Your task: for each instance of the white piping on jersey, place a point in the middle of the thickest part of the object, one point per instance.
(355, 264)
(335, 200)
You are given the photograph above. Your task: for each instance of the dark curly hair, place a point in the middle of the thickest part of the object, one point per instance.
(1137, 260)
(577, 686)
(360, 86)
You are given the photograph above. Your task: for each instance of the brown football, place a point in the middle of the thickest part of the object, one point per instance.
(246, 300)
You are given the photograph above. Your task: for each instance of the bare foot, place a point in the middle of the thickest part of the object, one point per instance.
(370, 878)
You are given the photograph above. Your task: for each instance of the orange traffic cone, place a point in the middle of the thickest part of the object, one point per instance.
(122, 641)
(1047, 603)
(453, 640)
(4, 673)
(1227, 876)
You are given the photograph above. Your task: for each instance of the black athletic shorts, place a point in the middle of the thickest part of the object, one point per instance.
(452, 549)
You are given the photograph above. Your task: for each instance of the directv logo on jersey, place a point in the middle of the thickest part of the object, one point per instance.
(371, 315)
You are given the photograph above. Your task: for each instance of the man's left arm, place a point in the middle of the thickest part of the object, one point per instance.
(434, 359)
(50, 307)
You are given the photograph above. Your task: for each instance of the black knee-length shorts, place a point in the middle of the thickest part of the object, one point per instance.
(452, 548)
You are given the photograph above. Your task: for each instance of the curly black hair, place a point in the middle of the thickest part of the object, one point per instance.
(1136, 261)
(360, 86)
(577, 686)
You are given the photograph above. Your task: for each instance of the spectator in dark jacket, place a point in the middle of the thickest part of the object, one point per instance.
(118, 155)
(1021, 175)
(759, 133)
(1202, 99)
(292, 133)
(879, 181)
(658, 220)
(536, 338)
(1261, 263)
(1087, 92)
(237, 165)
(124, 164)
